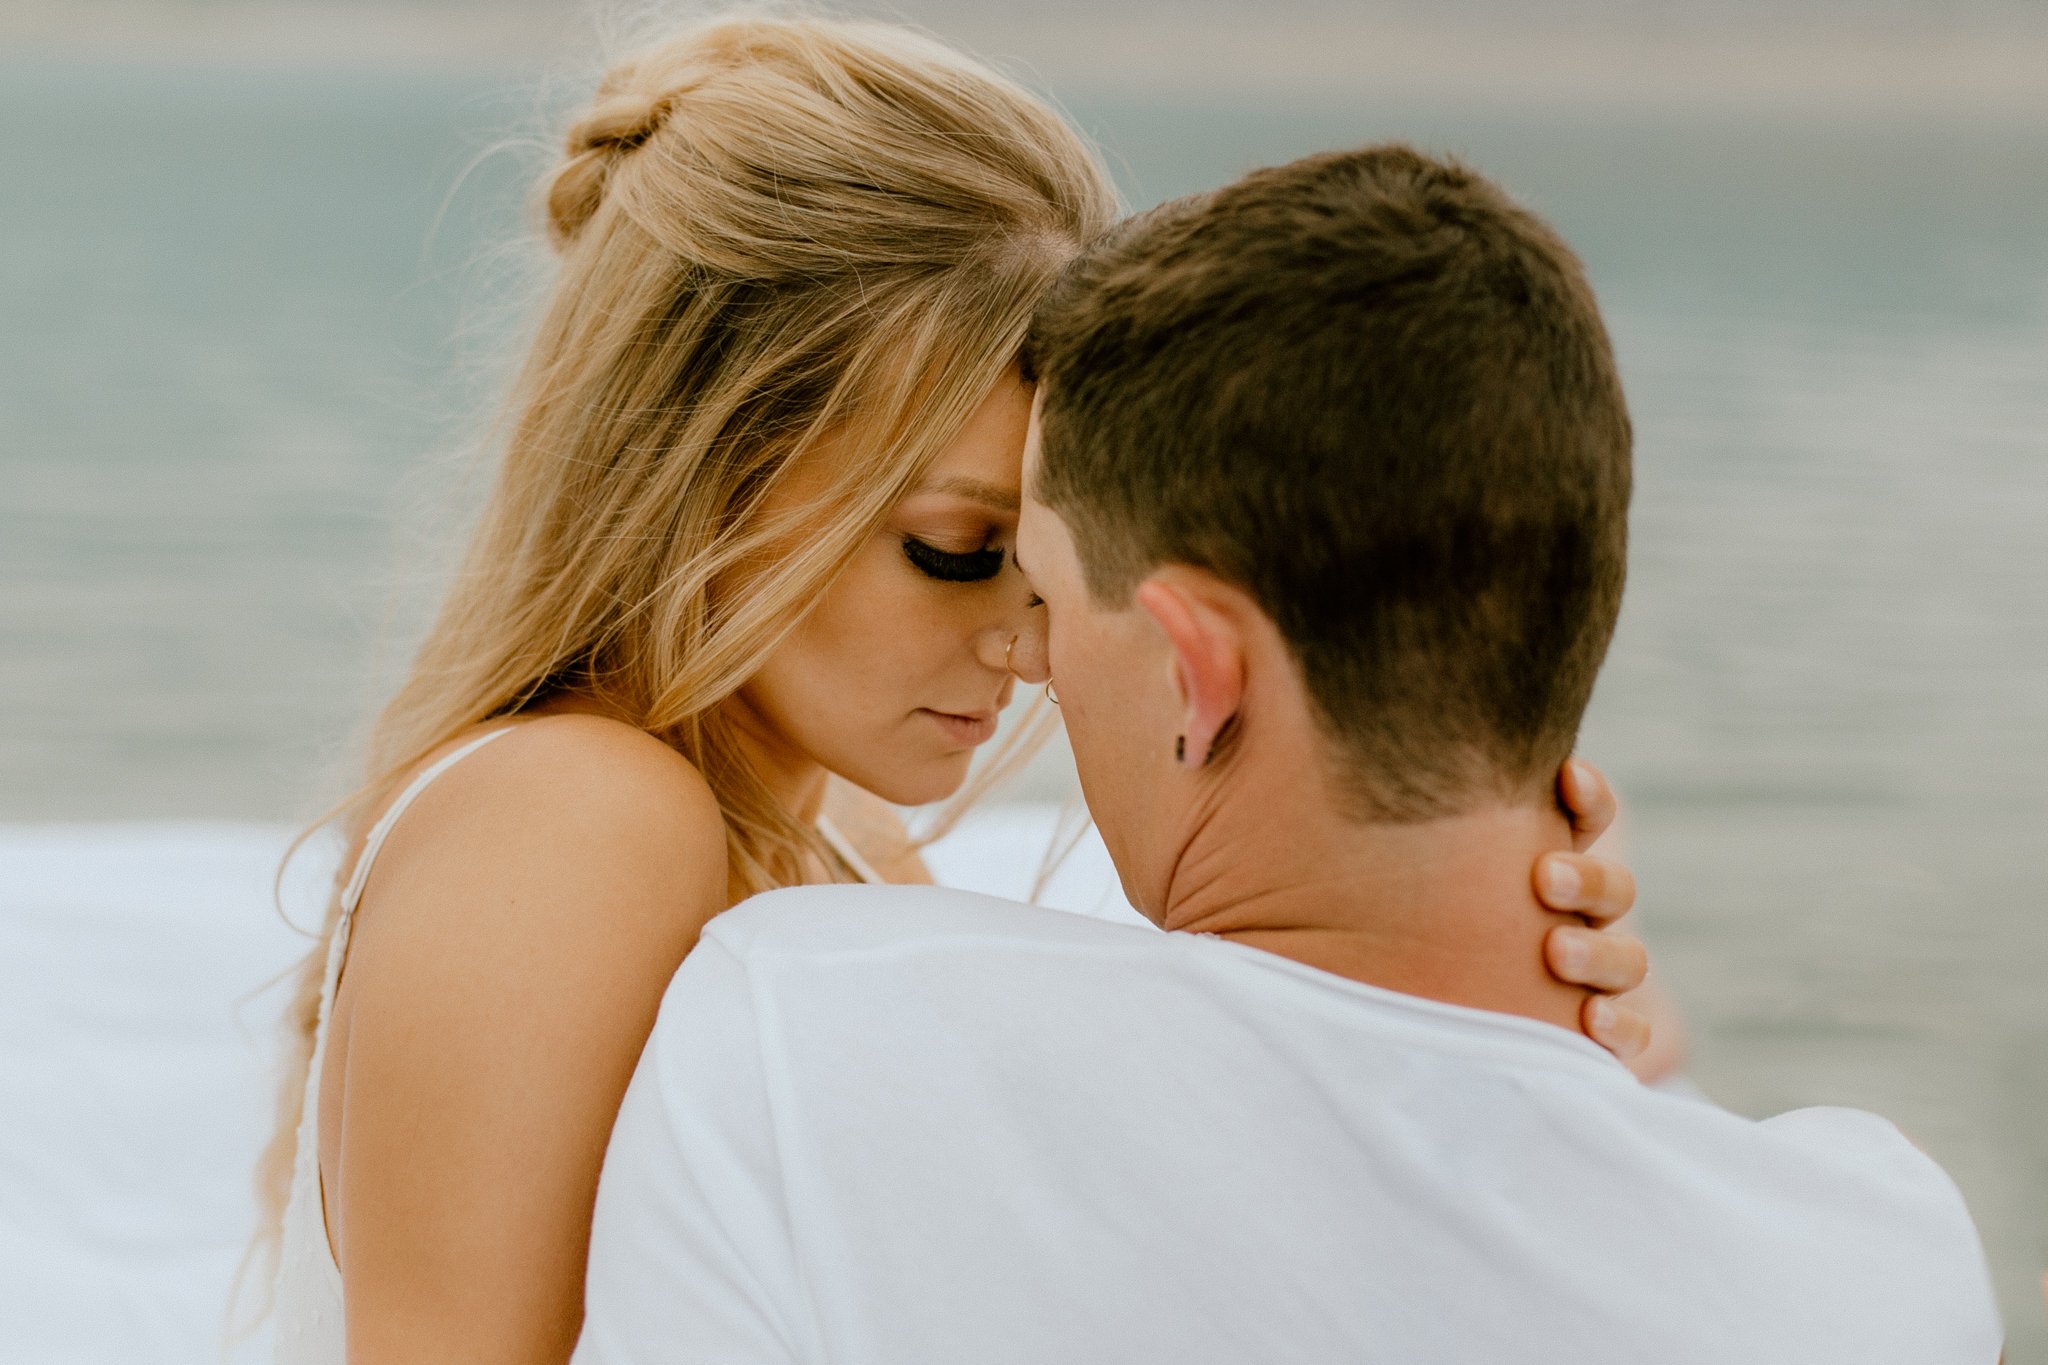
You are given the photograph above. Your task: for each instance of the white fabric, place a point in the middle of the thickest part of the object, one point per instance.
(308, 1304)
(916, 1125)
(138, 1063)
(138, 1081)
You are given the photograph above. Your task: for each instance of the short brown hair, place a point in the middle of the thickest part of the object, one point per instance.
(1375, 393)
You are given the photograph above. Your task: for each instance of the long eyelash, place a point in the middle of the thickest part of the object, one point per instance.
(978, 566)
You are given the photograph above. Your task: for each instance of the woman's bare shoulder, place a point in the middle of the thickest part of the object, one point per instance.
(551, 766)
(512, 949)
(562, 810)
(592, 758)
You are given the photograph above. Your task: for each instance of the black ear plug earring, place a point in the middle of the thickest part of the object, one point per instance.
(1180, 748)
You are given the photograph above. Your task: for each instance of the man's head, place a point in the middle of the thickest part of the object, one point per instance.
(1358, 413)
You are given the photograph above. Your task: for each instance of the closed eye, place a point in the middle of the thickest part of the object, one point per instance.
(976, 566)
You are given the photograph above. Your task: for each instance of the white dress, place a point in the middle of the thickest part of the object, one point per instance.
(307, 1309)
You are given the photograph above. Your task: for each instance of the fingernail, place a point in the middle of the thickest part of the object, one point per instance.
(1560, 880)
(1571, 956)
(1602, 1017)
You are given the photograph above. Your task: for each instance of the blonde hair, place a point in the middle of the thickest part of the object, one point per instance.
(776, 237)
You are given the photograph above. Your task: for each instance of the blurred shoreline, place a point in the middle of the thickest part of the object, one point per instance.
(1811, 58)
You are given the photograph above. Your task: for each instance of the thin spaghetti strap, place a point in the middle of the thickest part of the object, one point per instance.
(380, 831)
(309, 1290)
(848, 854)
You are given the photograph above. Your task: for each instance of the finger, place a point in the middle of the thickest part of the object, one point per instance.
(1580, 884)
(1616, 1027)
(1587, 799)
(1595, 959)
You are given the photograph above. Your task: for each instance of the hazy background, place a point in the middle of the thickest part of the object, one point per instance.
(257, 282)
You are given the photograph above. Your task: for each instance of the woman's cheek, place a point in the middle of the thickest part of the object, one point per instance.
(883, 614)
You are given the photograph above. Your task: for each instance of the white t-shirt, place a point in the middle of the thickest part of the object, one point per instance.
(905, 1125)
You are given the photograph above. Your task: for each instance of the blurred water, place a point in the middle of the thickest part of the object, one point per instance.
(225, 339)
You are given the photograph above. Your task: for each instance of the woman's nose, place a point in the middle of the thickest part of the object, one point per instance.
(1014, 641)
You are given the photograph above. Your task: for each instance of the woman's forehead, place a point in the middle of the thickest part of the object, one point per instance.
(985, 459)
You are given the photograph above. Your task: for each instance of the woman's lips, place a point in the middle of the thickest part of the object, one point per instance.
(966, 730)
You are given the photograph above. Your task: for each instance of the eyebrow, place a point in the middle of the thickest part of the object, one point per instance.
(977, 490)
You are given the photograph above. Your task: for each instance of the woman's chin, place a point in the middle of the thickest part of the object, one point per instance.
(923, 785)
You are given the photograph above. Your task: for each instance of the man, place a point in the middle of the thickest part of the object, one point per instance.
(1326, 497)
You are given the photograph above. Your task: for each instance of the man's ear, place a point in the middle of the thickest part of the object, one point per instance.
(1204, 629)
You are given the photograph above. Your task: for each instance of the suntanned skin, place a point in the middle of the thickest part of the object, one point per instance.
(516, 936)
(524, 919)
(1443, 909)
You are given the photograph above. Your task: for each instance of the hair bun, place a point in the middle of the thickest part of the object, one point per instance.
(618, 122)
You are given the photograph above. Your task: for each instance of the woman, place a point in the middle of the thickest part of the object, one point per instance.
(750, 535)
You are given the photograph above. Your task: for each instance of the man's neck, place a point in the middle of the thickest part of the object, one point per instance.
(1443, 909)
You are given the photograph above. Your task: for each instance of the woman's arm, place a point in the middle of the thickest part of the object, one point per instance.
(514, 943)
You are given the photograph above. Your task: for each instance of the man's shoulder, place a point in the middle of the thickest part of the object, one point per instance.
(1872, 1225)
(1901, 1179)
(1922, 1246)
(816, 921)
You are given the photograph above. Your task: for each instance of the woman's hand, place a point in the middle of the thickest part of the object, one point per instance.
(1597, 892)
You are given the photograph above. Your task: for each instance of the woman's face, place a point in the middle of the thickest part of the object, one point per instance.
(895, 678)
